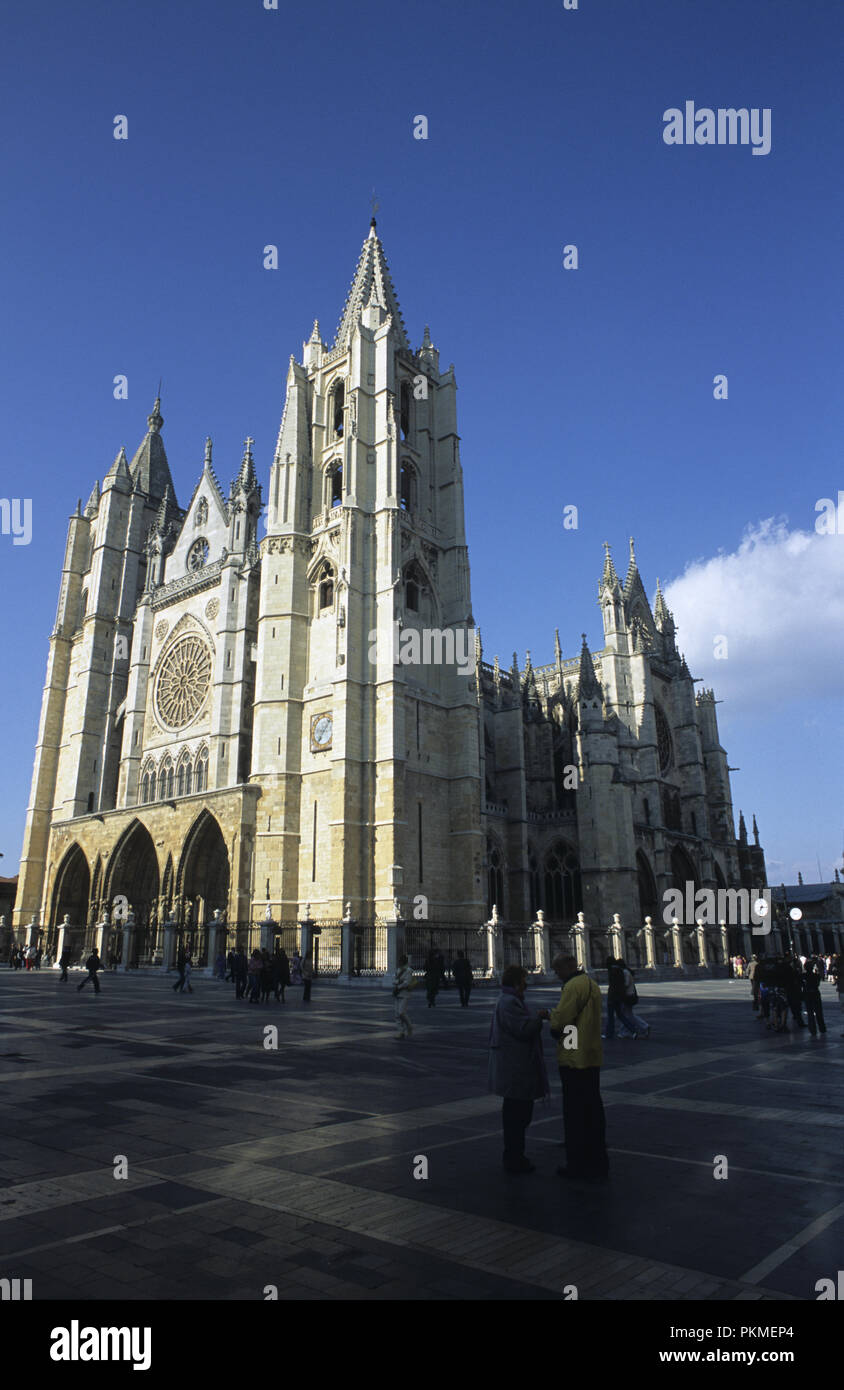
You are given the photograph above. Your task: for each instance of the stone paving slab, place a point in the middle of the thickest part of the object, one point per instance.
(295, 1167)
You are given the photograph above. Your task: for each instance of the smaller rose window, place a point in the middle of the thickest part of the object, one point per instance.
(198, 554)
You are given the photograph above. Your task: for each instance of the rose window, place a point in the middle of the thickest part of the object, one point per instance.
(198, 554)
(183, 682)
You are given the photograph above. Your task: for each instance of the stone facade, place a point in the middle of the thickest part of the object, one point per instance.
(303, 722)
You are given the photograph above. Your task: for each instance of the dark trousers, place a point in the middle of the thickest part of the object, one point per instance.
(306, 993)
(516, 1115)
(63, 975)
(814, 1013)
(795, 1003)
(92, 975)
(464, 990)
(585, 1126)
(240, 982)
(180, 983)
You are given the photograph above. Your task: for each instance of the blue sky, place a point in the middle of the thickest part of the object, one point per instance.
(592, 387)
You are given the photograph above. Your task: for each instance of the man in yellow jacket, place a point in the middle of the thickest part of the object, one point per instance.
(576, 1023)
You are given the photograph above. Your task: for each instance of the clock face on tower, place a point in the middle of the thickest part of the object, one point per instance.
(322, 732)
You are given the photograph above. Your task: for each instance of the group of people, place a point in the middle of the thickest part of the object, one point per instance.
(26, 957)
(789, 983)
(257, 977)
(436, 976)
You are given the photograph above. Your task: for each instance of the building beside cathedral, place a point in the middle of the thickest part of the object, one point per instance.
(226, 725)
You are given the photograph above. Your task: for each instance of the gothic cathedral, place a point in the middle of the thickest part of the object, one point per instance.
(303, 724)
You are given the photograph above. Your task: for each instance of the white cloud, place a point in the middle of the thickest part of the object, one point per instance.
(779, 601)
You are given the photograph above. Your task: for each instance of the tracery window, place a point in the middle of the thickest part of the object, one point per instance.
(663, 740)
(325, 587)
(201, 776)
(563, 892)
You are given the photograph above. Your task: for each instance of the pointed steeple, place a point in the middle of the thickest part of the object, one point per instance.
(589, 686)
(167, 512)
(118, 475)
(246, 479)
(632, 568)
(428, 353)
(371, 284)
(742, 828)
(149, 467)
(558, 651)
(93, 503)
(609, 579)
(662, 613)
(755, 831)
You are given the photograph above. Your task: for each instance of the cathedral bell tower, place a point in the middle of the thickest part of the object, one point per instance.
(366, 713)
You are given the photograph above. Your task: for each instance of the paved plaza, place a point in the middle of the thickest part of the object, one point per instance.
(294, 1168)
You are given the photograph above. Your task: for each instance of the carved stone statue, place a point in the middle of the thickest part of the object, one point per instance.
(347, 916)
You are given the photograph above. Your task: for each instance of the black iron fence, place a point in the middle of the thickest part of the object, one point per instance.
(422, 938)
(327, 947)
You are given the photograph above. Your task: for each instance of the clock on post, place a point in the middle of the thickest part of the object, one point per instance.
(322, 732)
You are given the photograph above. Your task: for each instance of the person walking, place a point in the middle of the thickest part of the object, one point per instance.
(403, 986)
(307, 977)
(64, 962)
(639, 1027)
(461, 969)
(254, 972)
(92, 965)
(188, 969)
(179, 986)
(433, 976)
(811, 982)
(792, 985)
(280, 973)
(231, 960)
(266, 977)
(240, 973)
(576, 1024)
(615, 1002)
(296, 969)
(220, 967)
(517, 1069)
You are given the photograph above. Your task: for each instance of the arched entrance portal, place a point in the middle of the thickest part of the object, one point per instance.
(203, 882)
(133, 873)
(71, 897)
(72, 891)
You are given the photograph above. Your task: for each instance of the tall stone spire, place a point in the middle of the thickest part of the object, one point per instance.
(371, 283)
(149, 468)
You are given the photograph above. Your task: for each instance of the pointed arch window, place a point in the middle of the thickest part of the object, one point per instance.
(325, 587)
(414, 588)
(404, 409)
(180, 780)
(201, 774)
(563, 893)
(495, 877)
(407, 487)
(338, 404)
(334, 485)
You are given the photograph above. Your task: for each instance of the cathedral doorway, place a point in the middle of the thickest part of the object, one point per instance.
(72, 890)
(133, 873)
(648, 902)
(683, 870)
(203, 880)
(71, 895)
